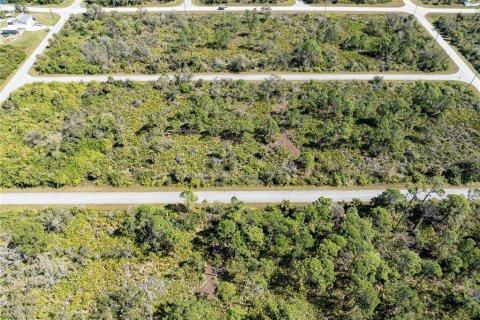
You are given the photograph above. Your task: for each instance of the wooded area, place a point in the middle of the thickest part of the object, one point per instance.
(178, 132)
(35, 2)
(463, 31)
(10, 59)
(347, 1)
(444, 2)
(395, 258)
(120, 3)
(97, 42)
(240, 2)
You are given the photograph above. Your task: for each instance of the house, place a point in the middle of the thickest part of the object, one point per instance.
(23, 21)
(10, 30)
(471, 3)
(19, 24)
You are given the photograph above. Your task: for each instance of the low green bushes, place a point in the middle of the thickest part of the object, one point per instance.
(392, 258)
(177, 132)
(10, 58)
(98, 42)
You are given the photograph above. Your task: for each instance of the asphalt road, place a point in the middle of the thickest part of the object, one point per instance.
(262, 76)
(81, 198)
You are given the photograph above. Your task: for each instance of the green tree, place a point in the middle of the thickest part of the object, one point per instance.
(226, 291)
(154, 232)
(189, 198)
(189, 309)
(28, 237)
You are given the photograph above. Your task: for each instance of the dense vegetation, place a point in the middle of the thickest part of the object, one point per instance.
(444, 2)
(255, 2)
(463, 31)
(177, 132)
(10, 59)
(120, 3)
(34, 2)
(97, 42)
(347, 1)
(392, 259)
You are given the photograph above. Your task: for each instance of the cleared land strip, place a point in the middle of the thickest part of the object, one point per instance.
(80, 198)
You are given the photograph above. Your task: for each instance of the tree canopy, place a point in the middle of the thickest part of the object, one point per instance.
(463, 31)
(98, 42)
(178, 132)
(282, 261)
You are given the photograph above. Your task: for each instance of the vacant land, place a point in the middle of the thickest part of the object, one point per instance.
(444, 3)
(245, 2)
(15, 49)
(463, 31)
(10, 58)
(35, 2)
(252, 41)
(126, 3)
(393, 259)
(175, 132)
(349, 2)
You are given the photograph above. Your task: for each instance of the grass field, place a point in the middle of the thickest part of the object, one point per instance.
(46, 18)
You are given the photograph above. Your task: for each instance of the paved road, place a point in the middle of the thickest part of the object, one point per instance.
(22, 77)
(80, 198)
(260, 76)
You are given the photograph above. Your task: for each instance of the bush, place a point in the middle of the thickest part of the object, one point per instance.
(28, 237)
(198, 134)
(99, 42)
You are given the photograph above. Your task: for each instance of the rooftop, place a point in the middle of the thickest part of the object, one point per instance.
(23, 18)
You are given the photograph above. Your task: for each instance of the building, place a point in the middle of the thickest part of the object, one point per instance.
(10, 31)
(19, 24)
(471, 3)
(23, 21)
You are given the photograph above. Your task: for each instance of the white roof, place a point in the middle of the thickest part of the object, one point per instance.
(10, 28)
(24, 18)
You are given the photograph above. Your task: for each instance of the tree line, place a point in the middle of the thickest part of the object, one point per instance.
(124, 3)
(348, 1)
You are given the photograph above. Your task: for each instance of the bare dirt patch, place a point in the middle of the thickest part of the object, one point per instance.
(208, 287)
(279, 107)
(285, 142)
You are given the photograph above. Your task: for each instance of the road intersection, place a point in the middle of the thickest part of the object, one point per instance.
(464, 74)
